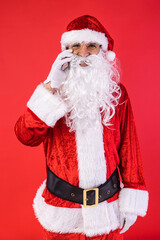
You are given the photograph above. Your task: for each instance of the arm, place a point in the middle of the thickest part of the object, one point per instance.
(45, 106)
(30, 130)
(133, 198)
(44, 109)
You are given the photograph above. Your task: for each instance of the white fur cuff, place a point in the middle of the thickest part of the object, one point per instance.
(47, 106)
(133, 201)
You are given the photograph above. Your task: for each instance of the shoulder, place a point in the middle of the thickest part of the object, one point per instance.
(124, 94)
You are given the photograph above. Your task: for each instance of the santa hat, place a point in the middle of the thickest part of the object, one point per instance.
(88, 29)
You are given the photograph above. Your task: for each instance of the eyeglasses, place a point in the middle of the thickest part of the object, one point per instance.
(91, 47)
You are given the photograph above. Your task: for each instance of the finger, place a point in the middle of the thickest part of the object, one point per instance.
(68, 50)
(121, 223)
(122, 220)
(65, 65)
(65, 53)
(125, 228)
(66, 60)
(64, 57)
(128, 223)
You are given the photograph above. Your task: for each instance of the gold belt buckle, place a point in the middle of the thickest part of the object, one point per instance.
(85, 197)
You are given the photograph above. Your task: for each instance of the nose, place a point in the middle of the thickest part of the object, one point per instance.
(83, 52)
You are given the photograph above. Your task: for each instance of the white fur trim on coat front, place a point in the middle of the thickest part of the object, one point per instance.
(92, 168)
(84, 35)
(47, 106)
(133, 201)
(70, 220)
(92, 164)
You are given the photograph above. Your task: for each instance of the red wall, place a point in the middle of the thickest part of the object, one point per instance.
(30, 32)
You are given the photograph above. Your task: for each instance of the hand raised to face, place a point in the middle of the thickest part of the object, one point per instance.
(57, 74)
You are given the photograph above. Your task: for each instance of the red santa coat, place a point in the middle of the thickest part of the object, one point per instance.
(85, 158)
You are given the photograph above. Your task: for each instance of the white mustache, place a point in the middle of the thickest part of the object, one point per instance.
(77, 60)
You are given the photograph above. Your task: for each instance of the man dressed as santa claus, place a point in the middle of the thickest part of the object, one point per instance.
(95, 187)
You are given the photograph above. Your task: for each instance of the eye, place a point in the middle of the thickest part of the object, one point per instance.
(76, 45)
(92, 45)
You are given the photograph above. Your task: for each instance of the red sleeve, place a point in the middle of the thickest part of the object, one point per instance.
(44, 110)
(133, 197)
(130, 157)
(30, 130)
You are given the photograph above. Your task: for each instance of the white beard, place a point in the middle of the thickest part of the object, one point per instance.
(91, 89)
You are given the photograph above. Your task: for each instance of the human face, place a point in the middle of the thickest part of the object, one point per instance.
(85, 49)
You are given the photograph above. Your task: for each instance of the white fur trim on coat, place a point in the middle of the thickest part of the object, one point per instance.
(133, 201)
(47, 106)
(84, 35)
(71, 220)
(92, 164)
(92, 171)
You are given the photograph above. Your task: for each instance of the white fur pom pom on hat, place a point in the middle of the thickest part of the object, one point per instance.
(110, 55)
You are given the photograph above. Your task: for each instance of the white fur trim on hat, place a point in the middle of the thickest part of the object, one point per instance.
(84, 35)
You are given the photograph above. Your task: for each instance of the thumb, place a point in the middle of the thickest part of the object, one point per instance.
(122, 220)
(129, 221)
(122, 223)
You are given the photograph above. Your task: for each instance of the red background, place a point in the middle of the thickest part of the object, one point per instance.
(30, 32)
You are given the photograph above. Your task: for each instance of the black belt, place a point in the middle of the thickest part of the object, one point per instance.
(87, 197)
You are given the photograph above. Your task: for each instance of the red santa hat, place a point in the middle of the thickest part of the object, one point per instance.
(88, 29)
